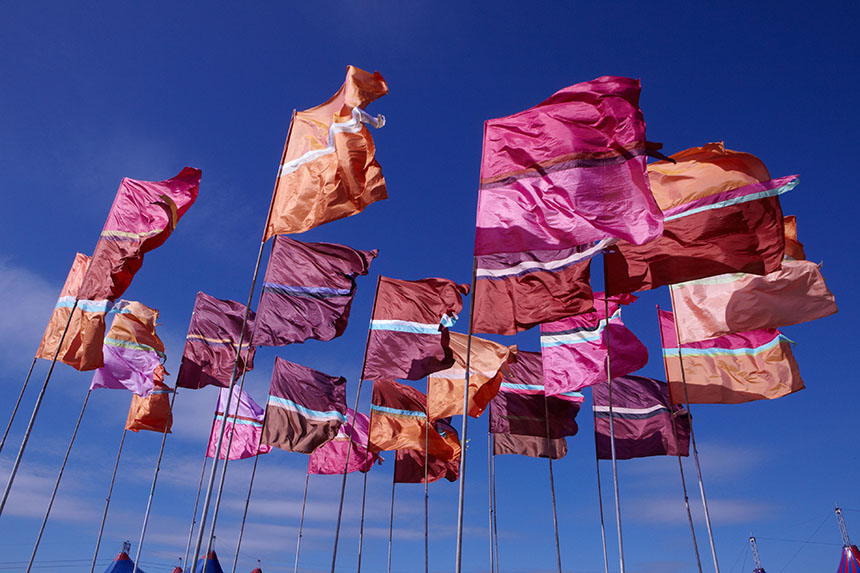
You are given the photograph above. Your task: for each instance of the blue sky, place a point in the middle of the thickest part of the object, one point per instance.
(93, 94)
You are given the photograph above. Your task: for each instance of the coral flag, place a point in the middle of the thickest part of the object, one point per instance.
(409, 464)
(151, 413)
(398, 421)
(143, 215)
(212, 342)
(642, 418)
(409, 331)
(567, 172)
(308, 291)
(132, 350)
(575, 349)
(731, 369)
(330, 458)
(82, 345)
(722, 215)
(445, 388)
(532, 446)
(245, 423)
(330, 169)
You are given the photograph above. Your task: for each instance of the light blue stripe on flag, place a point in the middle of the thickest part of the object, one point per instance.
(737, 200)
(306, 412)
(404, 326)
(673, 352)
(396, 412)
(309, 290)
(580, 336)
(246, 422)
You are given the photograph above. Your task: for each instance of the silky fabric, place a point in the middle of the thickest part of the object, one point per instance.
(151, 413)
(409, 464)
(532, 446)
(245, 424)
(330, 458)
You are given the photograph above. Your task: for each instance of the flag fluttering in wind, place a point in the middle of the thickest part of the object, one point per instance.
(722, 215)
(82, 345)
(575, 349)
(143, 215)
(132, 350)
(731, 369)
(398, 421)
(330, 169)
(409, 464)
(151, 413)
(212, 341)
(445, 388)
(245, 423)
(308, 291)
(532, 446)
(409, 331)
(642, 417)
(305, 408)
(330, 458)
(738, 302)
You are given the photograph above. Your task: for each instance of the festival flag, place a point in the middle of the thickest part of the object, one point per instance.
(330, 458)
(132, 350)
(575, 349)
(143, 215)
(731, 369)
(725, 304)
(82, 345)
(409, 464)
(409, 331)
(516, 291)
(305, 408)
(151, 413)
(532, 446)
(642, 418)
(212, 341)
(245, 423)
(722, 215)
(567, 172)
(329, 169)
(398, 421)
(445, 388)
(308, 291)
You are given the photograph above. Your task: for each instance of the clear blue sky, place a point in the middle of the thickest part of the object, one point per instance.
(93, 94)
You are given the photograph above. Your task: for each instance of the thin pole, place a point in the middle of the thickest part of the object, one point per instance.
(693, 439)
(352, 430)
(463, 437)
(194, 516)
(35, 412)
(678, 451)
(208, 496)
(391, 519)
(17, 403)
(250, 486)
(57, 483)
(495, 508)
(490, 496)
(107, 501)
(551, 480)
(427, 492)
(301, 524)
(361, 527)
(155, 477)
(600, 502)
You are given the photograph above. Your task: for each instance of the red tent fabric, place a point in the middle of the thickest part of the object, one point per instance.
(122, 563)
(850, 562)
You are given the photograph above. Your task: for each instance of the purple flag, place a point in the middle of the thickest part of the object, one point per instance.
(210, 347)
(308, 291)
(330, 457)
(574, 349)
(245, 422)
(305, 408)
(531, 446)
(642, 416)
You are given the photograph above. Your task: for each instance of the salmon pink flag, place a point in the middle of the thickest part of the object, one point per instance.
(244, 422)
(331, 457)
(152, 413)
(329, 169)
(409, 464)
(143, 215)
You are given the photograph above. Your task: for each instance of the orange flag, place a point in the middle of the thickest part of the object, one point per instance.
(329, 169)
(445, 388)
(152, 412)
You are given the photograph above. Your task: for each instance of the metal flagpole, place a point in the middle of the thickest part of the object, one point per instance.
(107, 501)
(57, 483)
(693, 438)
(250, 487)
(208, 497)
(426, 492)
(352, 431)
(361, 527)
(463, 438)
(17, 403)
(678, 451)
(551, 480)
(495, 509)
(155, 477)
(391, 519)
(600, 503)
(35, 412)
(490, 496)
(301, 524)
(196, 501)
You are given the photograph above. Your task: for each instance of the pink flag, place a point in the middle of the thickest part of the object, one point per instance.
(245, 422)
(330, 457)
(574, 349)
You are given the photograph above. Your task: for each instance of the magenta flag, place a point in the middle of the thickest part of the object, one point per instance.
(575, 349)
(567, 172)
(244, 422)
(330, 457)
(308, 291)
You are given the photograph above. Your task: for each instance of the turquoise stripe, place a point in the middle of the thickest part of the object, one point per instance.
(404, 326)
(307, 412)
(510, 386)
(673, 352)
(133, 346)
(396, 412)
(578, 336)
(84, 305)
(738, 200)
(246, 422)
